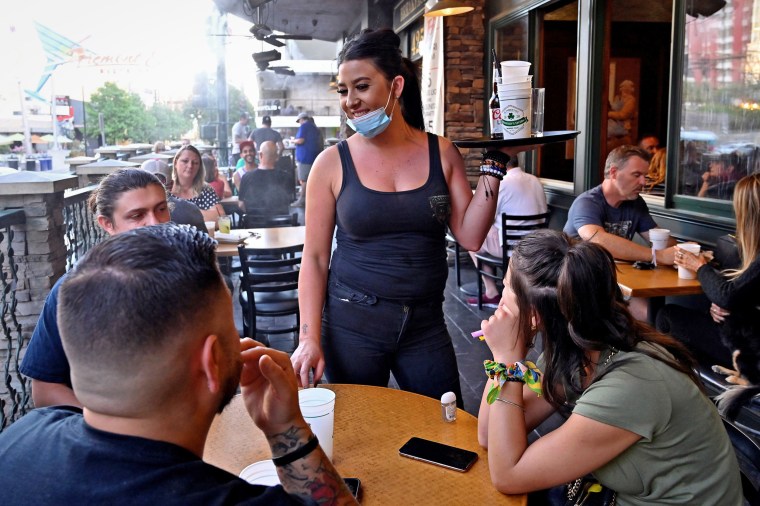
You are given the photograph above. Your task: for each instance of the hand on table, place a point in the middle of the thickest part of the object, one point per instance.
(666, 256)
(269, 386)
(308, 356)
(718, 314)
(688, 260)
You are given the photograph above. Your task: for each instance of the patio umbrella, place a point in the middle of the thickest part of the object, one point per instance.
(50, 138)
(37, 139)
(4, 140)
(16, 137)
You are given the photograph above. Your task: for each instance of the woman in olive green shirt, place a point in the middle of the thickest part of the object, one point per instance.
(638, 419)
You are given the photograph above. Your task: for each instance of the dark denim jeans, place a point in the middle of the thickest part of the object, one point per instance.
(365, 337)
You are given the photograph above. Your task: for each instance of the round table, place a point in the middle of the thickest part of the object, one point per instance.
(371, 424)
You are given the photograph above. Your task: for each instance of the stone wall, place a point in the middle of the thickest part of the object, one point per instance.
(466, 87)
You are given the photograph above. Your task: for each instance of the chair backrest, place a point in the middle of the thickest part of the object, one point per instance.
(269, 270)
(513, 232)
(748, 456)
(256, 220)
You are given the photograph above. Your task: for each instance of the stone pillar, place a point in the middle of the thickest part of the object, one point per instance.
(465, 94)
(39, 248)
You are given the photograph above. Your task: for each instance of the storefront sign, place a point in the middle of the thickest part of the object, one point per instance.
(407, 11)
(433, 75)
(416, 34)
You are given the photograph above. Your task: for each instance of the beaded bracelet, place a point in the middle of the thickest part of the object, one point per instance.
(524, 372)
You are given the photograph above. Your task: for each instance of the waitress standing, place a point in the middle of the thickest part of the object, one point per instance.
(375, 306)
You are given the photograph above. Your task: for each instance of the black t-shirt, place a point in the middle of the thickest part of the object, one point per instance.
(266, 192)
(186, 213)
(51, 456)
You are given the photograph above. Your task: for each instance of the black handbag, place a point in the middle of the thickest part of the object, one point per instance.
(586, 491)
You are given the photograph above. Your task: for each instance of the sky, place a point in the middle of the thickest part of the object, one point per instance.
(164, 39)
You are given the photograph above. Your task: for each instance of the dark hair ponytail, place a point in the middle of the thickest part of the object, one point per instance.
(382, 48)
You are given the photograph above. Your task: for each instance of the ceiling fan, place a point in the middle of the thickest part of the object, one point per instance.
(262, 32)
(264, 58)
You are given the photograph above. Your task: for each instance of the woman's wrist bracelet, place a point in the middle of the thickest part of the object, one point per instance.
(298, 453)
(524, 372)
(507, 401)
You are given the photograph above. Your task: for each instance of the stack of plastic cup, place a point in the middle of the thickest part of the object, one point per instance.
(514, 98)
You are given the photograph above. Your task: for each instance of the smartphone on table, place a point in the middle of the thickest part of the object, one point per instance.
(354, 485)
(439, 454)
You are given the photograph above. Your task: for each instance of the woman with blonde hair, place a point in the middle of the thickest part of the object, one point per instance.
(729, 335)
(189, 184)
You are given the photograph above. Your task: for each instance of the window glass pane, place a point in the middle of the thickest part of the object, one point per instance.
(720, 116)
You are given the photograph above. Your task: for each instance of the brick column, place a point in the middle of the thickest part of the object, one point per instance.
(39, 248)
(465, 94)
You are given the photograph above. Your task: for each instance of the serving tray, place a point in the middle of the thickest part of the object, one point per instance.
(548, 137)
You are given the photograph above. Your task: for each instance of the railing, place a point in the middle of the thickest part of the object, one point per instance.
(82, 233)
(15, 397)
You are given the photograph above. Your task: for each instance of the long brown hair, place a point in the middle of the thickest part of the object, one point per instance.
(571, 287)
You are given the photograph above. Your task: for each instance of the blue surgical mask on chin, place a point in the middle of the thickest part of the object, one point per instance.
(373, 123)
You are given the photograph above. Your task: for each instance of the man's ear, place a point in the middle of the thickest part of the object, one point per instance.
(211, 355)
(105, 224)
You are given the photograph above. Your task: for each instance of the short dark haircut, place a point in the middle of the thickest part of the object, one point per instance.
(135, 293)
(621, 154)
(103, 199)
(381, 47)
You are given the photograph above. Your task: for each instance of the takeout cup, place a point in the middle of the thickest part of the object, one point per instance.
(659, 238)
(515, 68)
(261, 473)
(318, 409)
(210, 227)
(513, 87)
(691, 247)
(515, 114)
(516, 79)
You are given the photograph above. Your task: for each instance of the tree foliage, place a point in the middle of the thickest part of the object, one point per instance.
(124, 115)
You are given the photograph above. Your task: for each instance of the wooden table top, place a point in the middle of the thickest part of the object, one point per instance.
(371, 424)
(263, 238)
(658, 282)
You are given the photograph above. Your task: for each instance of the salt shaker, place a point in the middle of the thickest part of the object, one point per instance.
(449, 407)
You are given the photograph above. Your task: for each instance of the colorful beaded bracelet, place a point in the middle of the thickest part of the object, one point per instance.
(524, 372)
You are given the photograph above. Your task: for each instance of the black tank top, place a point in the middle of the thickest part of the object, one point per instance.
(391, 244)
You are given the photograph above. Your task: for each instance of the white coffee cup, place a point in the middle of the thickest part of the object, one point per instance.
(210, 226)
(261, 473)
(691, 247)
(659, 237)
(511, 68)
(318, 409)
(516, 79)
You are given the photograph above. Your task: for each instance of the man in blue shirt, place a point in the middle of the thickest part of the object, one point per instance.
(152, 371)
(613, 212)
(308, 143)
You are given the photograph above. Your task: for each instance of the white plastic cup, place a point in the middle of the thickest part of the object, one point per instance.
(210, 227)
(537, 112)
(261, 473)
(515, 114)
(691, 247)
(515, 68)
(659, 238)
(512, 87)
(516, 79)
(318, 409)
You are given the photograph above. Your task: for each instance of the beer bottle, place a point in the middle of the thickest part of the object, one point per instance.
(494, 105)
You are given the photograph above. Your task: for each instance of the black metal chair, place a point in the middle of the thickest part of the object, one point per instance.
(257, 220)
(509, 233)
(269, 288)
(748, 456)
(452, 246)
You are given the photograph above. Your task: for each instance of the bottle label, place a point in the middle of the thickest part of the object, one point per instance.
(450, 412)
(496, 123)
